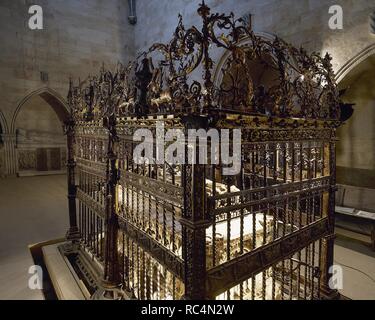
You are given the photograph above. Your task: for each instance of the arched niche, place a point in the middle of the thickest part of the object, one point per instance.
(52, 98)
(40, 141)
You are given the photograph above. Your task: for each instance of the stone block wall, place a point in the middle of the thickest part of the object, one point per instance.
(300, 22)
(78, 36)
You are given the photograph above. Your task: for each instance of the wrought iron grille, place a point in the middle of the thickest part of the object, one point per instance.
(90, 156)
(172, 231)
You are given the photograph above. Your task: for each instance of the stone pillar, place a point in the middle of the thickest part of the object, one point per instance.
(10, 155)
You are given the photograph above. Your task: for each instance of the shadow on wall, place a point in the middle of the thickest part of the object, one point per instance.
(356, 146)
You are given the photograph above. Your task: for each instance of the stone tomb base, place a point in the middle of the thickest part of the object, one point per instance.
(73, 274)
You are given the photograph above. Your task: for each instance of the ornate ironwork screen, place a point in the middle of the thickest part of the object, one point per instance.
(172, 231)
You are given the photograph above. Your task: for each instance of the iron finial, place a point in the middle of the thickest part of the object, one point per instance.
(203, 9)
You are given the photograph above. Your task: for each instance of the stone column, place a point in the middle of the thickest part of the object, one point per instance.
(10, 155)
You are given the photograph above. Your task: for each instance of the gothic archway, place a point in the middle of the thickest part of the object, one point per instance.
(37, 127)
(354, 62)
(56, 102)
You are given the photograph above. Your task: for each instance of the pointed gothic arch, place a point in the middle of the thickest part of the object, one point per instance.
(53, 99)
(42, 153)
(354, 62)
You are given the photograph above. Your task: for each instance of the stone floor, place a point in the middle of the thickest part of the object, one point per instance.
(358, 265)
(34, 209)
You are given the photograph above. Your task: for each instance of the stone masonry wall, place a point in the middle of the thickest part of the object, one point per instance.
(78, 36)
(300, 22)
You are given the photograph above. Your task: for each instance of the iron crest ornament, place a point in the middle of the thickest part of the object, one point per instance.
(164, 78)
